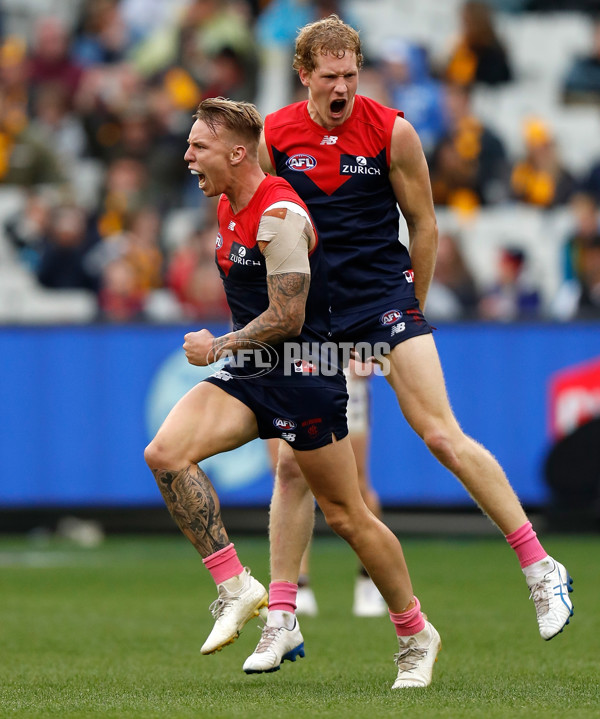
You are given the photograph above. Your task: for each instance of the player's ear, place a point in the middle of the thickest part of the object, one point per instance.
(238, 153)
(304, 76)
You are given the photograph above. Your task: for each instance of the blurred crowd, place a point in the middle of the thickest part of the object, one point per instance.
(95, 110)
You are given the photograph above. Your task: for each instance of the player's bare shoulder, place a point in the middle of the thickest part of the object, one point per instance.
(409, 175)
(406, 150)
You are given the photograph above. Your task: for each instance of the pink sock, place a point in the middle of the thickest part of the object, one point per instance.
(526, 544)
(410, 622)
(223, 564)
(282, 596)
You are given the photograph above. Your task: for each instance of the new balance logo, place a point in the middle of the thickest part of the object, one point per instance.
(289, 436)
(231, 226)
(329, 140)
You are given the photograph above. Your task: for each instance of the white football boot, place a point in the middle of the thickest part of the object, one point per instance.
(233, 609)
(417, 655)
(275, 646)
(549, 585)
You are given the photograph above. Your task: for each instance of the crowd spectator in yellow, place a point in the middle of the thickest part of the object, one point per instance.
(469, 166)
(540, 177)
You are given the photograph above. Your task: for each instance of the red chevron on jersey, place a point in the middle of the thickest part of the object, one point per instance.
(309, 165)
(309, 147)
(342, 174)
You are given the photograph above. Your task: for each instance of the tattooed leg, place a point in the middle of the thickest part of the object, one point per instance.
(194, 505)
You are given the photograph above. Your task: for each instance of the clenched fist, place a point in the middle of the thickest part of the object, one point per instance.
(198, 347)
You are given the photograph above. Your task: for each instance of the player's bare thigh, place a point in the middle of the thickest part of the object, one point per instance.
(205, 422)
(415, 374)
(332, 469)
(330, 472)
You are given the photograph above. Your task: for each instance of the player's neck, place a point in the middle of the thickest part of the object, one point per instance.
(243, 187)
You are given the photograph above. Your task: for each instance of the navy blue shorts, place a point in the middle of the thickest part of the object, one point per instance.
(304, 416)
(390, 323)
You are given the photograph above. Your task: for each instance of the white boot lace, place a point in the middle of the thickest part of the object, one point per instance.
(540, 594)
(269, 635)
(408, 659)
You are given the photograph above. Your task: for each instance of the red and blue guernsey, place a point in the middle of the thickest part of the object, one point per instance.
(342, 176)
(243, 270)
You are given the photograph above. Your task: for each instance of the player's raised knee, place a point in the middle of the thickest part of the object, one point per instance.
(157, 455)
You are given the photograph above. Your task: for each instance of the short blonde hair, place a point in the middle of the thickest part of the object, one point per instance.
(330, 36)
(240, 118)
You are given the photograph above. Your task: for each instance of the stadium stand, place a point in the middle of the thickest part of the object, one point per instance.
(541, 47)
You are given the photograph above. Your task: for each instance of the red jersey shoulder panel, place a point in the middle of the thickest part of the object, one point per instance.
(240, 230)
(375, 115)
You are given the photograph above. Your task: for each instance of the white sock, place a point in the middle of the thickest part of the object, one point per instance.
(279, 618)
(538, 569)
(234, 584)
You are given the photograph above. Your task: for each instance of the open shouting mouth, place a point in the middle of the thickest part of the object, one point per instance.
(337, 107)
(201, 177)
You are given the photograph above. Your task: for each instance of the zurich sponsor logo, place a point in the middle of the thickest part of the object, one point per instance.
(301, 163)
(284, 424)
(219, 242)
(390, 317)
(359, 165)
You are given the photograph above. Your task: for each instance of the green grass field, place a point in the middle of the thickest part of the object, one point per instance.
(116, 631)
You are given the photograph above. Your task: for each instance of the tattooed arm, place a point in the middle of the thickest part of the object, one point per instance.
(289, 237)
(282, 319)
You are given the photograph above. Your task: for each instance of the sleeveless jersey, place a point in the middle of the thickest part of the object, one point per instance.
(342, 176)
(244, 274)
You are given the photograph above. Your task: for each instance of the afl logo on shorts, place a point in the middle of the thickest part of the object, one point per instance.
(301, 163)
(390, 317)
(219, 242)
(284, 424)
